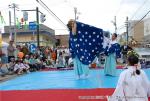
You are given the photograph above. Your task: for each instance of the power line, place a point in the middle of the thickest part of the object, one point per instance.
(140, 20)
(138, 10)
(114, 22)
(50, 11)
(121, 27)
(121, 3)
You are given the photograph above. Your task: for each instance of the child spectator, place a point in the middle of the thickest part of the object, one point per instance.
(49, 63)
(60, 61)
(32, 63)
(18, 68)
(11, 64)
(27, 67)
(39, 63)
(26, 60)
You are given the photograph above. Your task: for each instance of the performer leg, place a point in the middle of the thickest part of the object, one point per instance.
(85, 70)
(110, 65)
(77, 67)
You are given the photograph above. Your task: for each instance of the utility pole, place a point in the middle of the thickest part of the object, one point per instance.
(38, 31)
(10, 29)
(14, 7)
(37, 23)
(127, 33)
(10, 18)
(115, 24)
(75, 13)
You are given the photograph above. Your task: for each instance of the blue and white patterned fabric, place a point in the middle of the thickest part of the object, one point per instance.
(87, 43)
(114, 48)
(112, 51)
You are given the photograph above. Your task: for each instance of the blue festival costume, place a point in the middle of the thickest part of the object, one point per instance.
(112, 52)
(84, 46)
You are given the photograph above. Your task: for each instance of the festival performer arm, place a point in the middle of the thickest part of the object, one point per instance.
(114, 48)
(72, 28)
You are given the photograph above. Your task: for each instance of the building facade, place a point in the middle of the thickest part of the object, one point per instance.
(136, 30)
(46, 36)
(147, 30)
(139, 32)
(63, 40)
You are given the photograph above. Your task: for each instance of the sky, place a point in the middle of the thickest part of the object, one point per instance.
(99, 13)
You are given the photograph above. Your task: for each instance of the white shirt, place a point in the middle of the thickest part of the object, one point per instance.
(132, 87)
(112, 42)
(125, 47)
(70, 60)
(19, 66)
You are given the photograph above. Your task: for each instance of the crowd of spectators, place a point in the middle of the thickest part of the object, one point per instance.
(20, 59)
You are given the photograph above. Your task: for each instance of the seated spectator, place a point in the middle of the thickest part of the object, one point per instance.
(70, 62)
(39, 63)
(147, 63)
(60, 61)
(3, 69)
(48, 63)
(43, 64)
(133, 84)
(18, 69)
(26, 60)
(53, 56)
(11, 64)
(66, 58)
(32, 63)
(27, 67)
